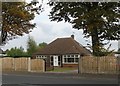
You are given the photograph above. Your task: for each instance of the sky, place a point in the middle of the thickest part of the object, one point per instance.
(47, 31)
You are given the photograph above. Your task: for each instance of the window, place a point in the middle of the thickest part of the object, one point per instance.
(71, 59)
(65, 59)
(64, 55)
(76, 55)
(68, 55)
(36, 56)
(59, 59)
(59, 63)
(76, 59)
(51, 60)
(72, 55)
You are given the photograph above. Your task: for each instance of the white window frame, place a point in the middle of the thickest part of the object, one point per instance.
(66, 56)
(41, 57)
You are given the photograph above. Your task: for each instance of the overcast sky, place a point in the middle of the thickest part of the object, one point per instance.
(47, 31)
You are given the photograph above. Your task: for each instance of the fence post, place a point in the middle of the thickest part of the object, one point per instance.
(14, 64)
(29, 64)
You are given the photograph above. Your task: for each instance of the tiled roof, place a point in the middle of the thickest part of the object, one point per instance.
(63, 46)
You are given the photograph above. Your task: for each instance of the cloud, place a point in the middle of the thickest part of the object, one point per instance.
(21, 41)
(47, 31)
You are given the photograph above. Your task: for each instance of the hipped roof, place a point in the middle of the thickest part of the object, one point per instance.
(62, 46)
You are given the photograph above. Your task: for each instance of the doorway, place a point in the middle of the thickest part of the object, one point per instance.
(55, 61)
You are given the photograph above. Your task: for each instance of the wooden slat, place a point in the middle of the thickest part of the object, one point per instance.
(106, 64)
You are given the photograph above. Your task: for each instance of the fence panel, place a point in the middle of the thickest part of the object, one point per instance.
(106, 64)
(0, 65)
(37, 65)
(7, 64)
(23, 64)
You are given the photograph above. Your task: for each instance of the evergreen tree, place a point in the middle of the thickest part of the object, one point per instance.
(31, 46)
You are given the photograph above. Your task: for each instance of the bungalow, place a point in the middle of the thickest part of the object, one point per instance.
(62, 52)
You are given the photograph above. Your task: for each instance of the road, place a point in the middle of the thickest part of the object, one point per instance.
(35, 79)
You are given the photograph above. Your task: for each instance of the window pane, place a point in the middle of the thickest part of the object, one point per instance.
(72, 55)
(65, 59)
(68, 55)
(76, 55)
(59, 58)
(70, 59)
(59, 63)
(76, 59)
(51, 58)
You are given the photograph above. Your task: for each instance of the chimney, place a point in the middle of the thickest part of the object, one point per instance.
(72, 36)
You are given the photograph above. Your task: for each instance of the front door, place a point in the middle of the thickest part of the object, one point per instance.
(55, 59)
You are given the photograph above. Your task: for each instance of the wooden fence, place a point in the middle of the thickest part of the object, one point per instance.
(108, 64)
(22, 64)
(0, 65)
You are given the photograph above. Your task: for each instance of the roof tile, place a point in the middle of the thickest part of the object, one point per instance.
(63, 46)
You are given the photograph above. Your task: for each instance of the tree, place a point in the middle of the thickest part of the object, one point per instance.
(42, 45)
(98, 20)
(16, 18)
(31, 46)
(15, 52)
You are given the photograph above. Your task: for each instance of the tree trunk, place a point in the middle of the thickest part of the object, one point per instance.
(3, 35)
(95, 42)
